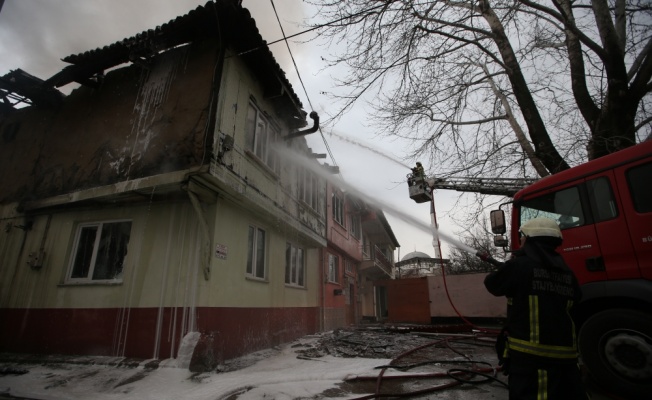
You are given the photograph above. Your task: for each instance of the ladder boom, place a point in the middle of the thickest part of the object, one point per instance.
(422, 186)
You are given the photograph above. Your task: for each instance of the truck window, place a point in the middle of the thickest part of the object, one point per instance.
(638, 179)
(563, 206)
(602, 199)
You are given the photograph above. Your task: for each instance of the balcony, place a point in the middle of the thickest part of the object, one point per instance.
(376, 265)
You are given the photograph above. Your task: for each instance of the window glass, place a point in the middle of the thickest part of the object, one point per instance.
(294, 265)
(301, 183)
(314, 187)
(307, 188)
(273, 160)
(250, 128)
(355, 225)
(261, 139)
(338, 209)
(100, 250)
(563, 206)
(366, 245)
(256, 253)
(333, 265)
(250, 250)
(261, 136)
(348, 266)
(260, 254)
(602, 199)
(301, 268)
(84, 252)
(638, 179)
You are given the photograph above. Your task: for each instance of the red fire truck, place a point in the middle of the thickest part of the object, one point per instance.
(604, 209)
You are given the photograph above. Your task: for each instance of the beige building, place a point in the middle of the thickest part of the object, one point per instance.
(150, 205)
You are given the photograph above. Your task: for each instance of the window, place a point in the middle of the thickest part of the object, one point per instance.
(261, 137)
(563, 206)
(338, 209)
(355, 225)
(256, 253)
(366, 246)
(350, 292)
(602, 199)
(308, 187)
(294, 265)
(348, 266)
(99, 251)
(639, 185)
(333, 268)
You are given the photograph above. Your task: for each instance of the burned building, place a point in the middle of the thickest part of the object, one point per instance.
(150, 204)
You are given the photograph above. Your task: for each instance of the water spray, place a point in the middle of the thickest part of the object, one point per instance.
(319, 170)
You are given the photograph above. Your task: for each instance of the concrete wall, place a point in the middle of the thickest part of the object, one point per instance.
(162, 283)
(468, 294)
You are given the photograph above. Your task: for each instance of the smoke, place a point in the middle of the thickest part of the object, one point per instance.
(374, 201)
(371, 149)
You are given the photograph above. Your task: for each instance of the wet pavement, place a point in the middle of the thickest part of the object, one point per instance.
(427, 362)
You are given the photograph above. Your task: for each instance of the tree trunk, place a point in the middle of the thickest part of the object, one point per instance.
(545, 149)
(615, 127)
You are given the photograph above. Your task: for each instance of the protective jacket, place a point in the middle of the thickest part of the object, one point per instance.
(540, 291)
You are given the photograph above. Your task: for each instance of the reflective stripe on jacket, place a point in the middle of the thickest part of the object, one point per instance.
(541, 291)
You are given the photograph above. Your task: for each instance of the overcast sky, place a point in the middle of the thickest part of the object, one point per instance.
(36, 34)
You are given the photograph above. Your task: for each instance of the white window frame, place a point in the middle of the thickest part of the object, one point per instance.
(338, 208)
(295, 265)
(348, 266)
(308, 188)
(366, 245)
(256, 244)
(355, 225)
(262, 135)
(99, 226)
(333, 268)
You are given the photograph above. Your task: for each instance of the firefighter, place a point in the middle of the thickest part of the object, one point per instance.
(541, 349)
(417, 172)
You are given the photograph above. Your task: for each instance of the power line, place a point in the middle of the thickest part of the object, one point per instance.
(328, 149)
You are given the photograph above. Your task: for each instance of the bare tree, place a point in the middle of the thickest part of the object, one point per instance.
(497, 88)
(478, 238)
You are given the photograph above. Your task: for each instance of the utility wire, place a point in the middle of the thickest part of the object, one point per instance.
(287, 44)
(314, 28)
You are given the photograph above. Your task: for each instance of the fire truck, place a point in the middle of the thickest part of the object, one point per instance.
(604, 210)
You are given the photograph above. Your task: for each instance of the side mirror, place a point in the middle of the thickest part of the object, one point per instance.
(497, 218)
(500, 241)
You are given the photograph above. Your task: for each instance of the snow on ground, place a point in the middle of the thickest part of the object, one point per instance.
(313, 367)
(280, 376)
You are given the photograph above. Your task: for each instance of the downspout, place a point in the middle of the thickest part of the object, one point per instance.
(315, 117)
(322, 285)
(206, 246)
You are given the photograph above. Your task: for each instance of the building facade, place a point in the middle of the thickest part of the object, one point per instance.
(165, 202)
(359, 251)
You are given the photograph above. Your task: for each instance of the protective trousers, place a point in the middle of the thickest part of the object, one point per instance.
(550, 382)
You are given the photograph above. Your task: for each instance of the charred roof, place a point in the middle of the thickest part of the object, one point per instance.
(18, 87)
(224, 20)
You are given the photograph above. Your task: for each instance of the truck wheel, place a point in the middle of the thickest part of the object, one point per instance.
(616, 347)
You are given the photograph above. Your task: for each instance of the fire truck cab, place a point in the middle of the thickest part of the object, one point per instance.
(604, 209)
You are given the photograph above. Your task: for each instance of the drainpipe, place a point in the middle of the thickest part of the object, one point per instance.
(206, 251)
(321, 270)
(315, 117)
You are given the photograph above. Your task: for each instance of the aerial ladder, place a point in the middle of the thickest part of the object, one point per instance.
(421, 186)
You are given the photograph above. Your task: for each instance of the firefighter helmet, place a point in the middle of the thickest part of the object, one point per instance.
(538, 227)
